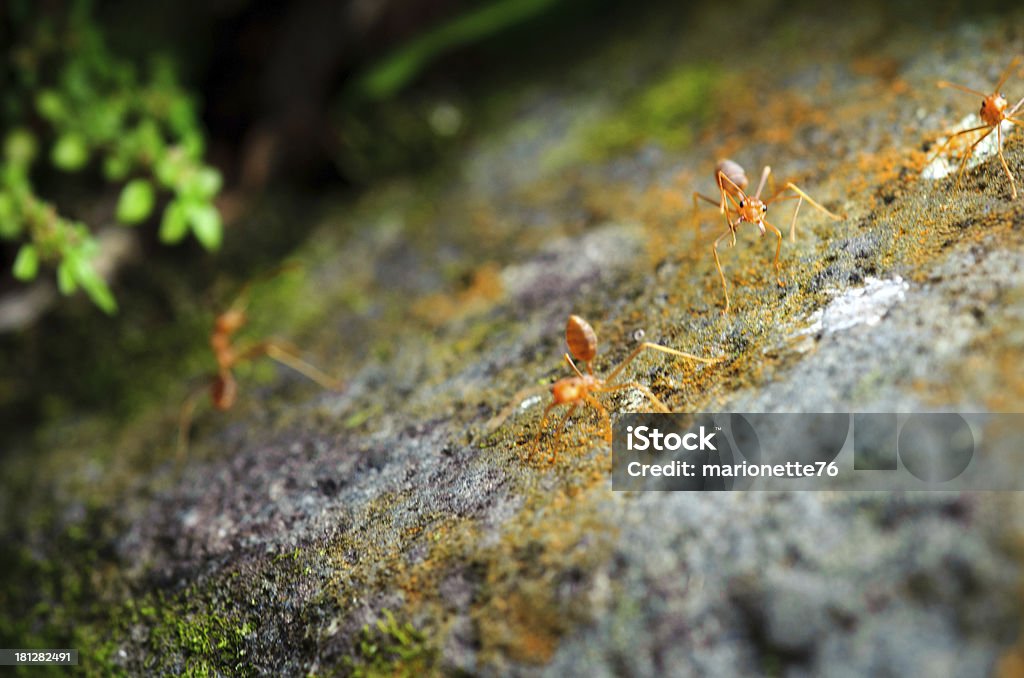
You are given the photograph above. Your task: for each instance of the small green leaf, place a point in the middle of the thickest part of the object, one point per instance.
(26, 265)
(50, 105)
(193, 145)
(65, 279)
(70, 152)
(205, 221)
(180, 115)
(10, 223)
(174, 224)
(20, 147)
(94, 285)
(170, 167)
(136, 201)
(115, 167)
(104, 120)
(207, 182)
(149, 140)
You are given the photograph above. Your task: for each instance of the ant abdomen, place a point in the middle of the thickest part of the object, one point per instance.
(581, 338)
(734, 173)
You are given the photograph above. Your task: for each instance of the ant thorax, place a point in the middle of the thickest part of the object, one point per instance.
(992, 108)
(571, 389)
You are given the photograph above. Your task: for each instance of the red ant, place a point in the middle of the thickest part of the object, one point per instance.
(223, 387)
(580, 388)
(993, 112)
(738, 207)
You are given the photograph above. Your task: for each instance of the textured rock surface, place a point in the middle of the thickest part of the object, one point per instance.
(303, 515)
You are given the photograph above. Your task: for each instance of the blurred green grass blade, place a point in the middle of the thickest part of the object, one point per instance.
(396, 70)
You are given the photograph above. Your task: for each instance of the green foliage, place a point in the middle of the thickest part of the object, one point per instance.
(93, 111)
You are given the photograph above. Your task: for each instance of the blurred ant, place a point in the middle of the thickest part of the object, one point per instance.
(579, 389)
(223, 388)
(738, 207)
(993, 112)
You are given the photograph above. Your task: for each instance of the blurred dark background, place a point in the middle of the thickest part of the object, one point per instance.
(284, 85)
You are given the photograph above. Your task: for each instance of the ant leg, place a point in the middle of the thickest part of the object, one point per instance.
(285, 354)
(682, 354)
(725, 194)
(543, 422)
(699, 196)
(1006, 73)
(718, 263)
(656, 347)
(778, 249)
(188, 408)
(495, 422)
(574, 368)
(813, 202)
(658, 405)
(286, 357)
(721, 189)
(735, 205)
(764, 177)
(999, 146)
(792, 224)
(944, 84)
(558, 429)
(969, 153)
(949, 140)
(1016, 107)
(603, 412)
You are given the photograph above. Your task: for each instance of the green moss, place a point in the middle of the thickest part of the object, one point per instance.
(390, 648)
(360, 417)
(190, 632)
(669, 111)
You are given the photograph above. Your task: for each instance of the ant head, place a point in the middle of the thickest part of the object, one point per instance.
(992, 108)
(752, 209)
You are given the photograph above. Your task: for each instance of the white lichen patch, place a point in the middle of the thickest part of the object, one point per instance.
(865, 305)
(949, 160)
(531, 401)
